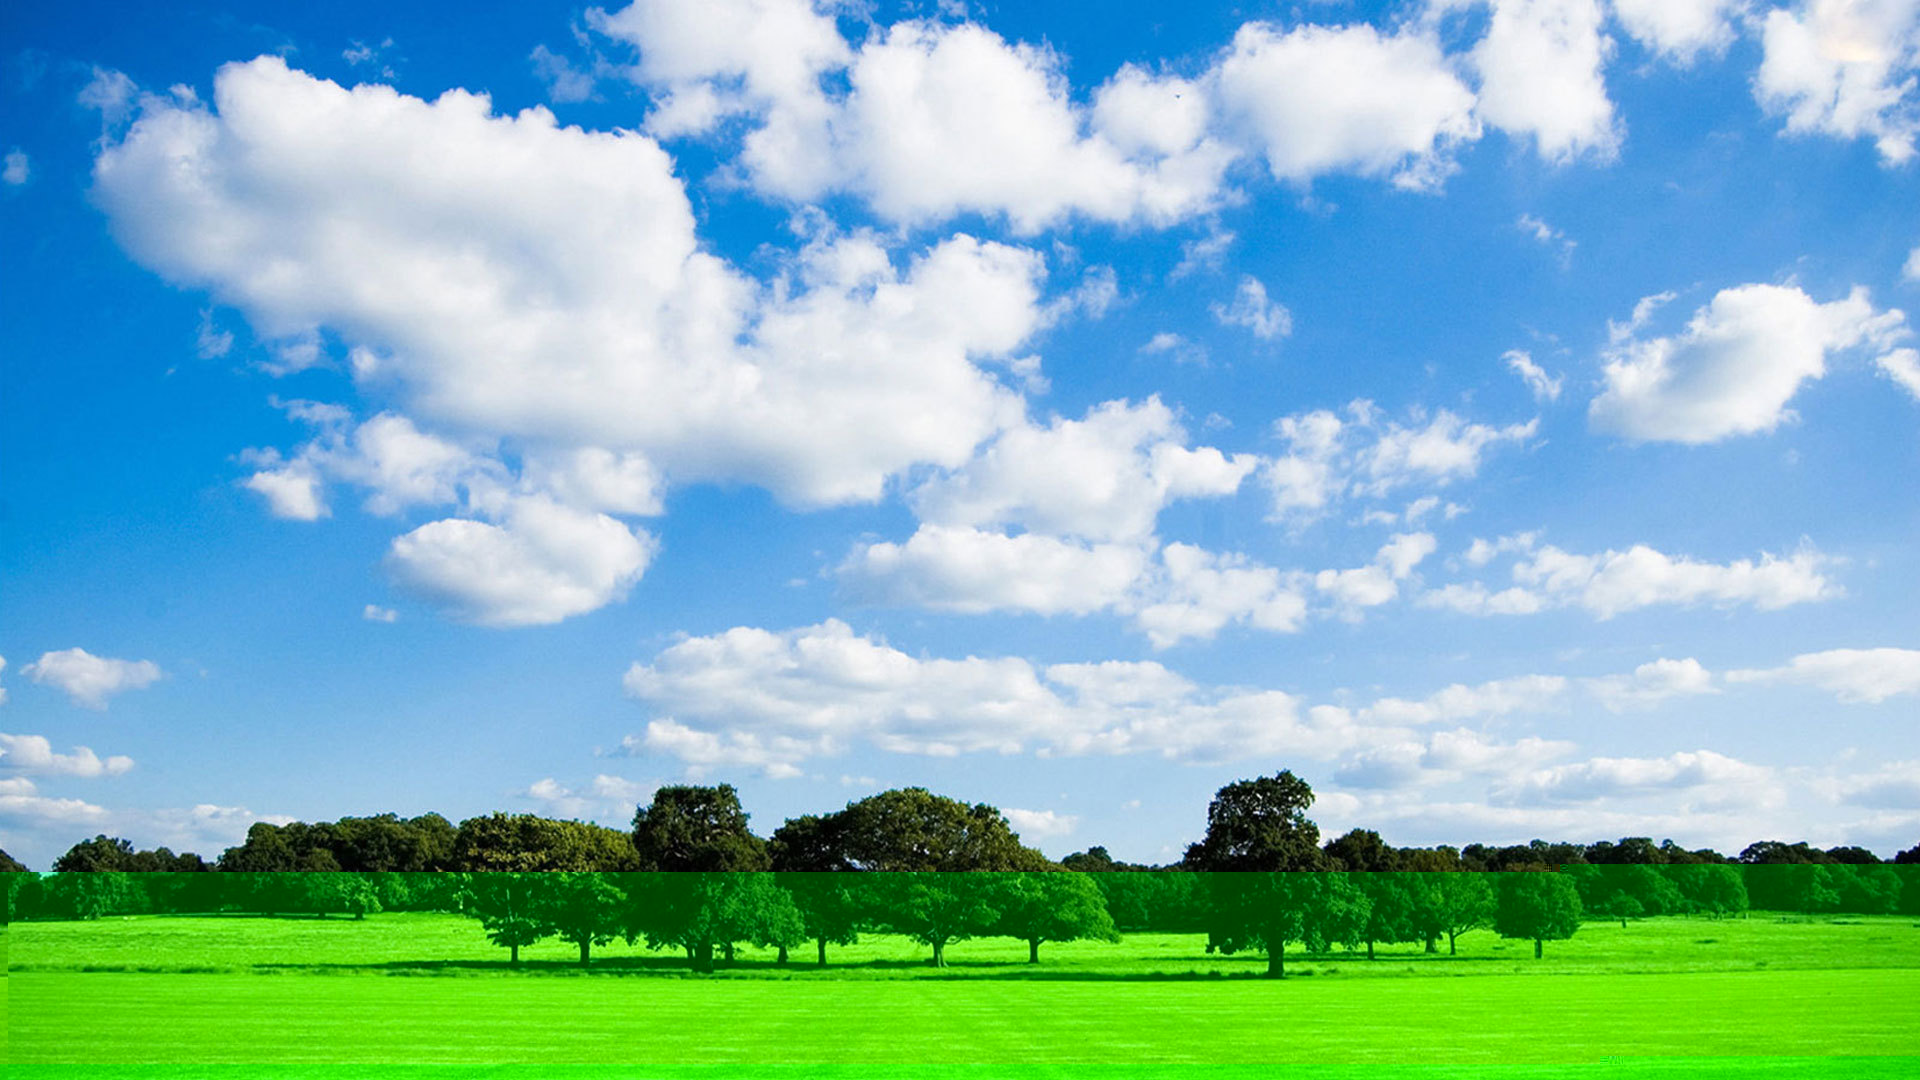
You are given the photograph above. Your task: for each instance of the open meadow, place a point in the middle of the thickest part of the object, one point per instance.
(172, 996)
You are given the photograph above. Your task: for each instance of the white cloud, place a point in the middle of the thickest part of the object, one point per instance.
(1366, 455)
(1196, 593)
(936, 120)
(1263, 318)
(1912, 268)
(1614, 582)
(1168, 343)
(88, 679)
(1702, 776)
(542, 563)
(1035, 825)
(1377, 583)
(33, 755)
(376, 613)
(1903, 367)
(21, 804)
(1845, 68)
(755, 698)
(973, 571)
(1859, 676)
(1651, 683)
(1736, 365)
(1443, 757)
(16, 168)
(1544, 387)
(581, 311)
(1103, 478)
(1680, 30)
(1317, 100)
(566, 84)
(607, 798)
(1540, 68)
(1488, 700)
(1893, 786)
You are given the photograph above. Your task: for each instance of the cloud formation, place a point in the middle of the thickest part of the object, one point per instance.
(91, 680)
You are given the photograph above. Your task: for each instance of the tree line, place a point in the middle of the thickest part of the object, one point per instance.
(691, 875)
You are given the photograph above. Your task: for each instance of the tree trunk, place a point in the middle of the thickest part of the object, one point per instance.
(703, 958)
(1623, 922)
(1537, 948)
(1369, 948)
(1452, 950)
(822, 944)
(1277, 961)
(513, 952)
(726, 952)
(939, 953)
(781, 959)
(1433, 945)
(1033, 950)
(586, 951)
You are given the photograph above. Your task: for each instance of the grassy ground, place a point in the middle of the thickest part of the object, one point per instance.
(1757, 997)
(455, 945)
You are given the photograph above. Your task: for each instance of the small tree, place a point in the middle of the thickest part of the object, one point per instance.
(1541, 906)
(1266, 910)
(586, 908)
(1450, 903)
(511, 906)
(1055, 906)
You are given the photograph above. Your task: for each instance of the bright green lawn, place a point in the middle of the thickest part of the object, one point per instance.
(1655, 997)
(455, 945)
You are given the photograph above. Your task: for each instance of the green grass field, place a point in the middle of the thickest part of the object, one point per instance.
(311, 998)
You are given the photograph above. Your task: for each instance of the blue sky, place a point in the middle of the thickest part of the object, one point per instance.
(1503, 414)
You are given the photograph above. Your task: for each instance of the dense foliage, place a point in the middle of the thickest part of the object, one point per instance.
(692, 876)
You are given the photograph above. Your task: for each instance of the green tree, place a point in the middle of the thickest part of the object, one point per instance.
(914, 829)
(11, 865)
(98, 855)
(1390, 900)
(585, 907)
(1261, 825)
(688, 829)
(808, 861)
(1053, 906)
(701, 912)
(526, 843)
(938, 908)
(1265, 911)
(87, 894)
(1541, 906)
(511, 905)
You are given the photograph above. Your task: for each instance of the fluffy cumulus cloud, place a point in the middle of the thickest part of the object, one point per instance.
(1033, 825)
(1195, 593)
(575, 326)
(88, 679)
(606, 798)
(973, 571)
(934, 119)
(1378, 582)
(1614, 582)
(1652, 683)
(1541, 67)
(757, 698)
(1329, 457)
(540, 563)
(1735, 366)
(1104, 477)
(33, 755)
(1699, 777)
(1680, 30)
(22, 806)
(1315, 100)
(1845, 68)
(1903, 367)
(1860, 676)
